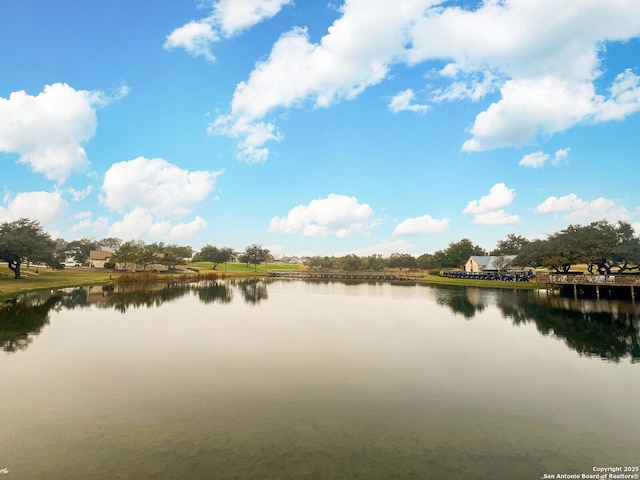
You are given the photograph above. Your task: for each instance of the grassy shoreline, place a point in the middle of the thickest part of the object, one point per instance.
(435, 280)
(42, 278)
(38, 279)
(45, 278)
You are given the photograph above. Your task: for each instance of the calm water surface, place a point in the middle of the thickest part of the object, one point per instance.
(295, 380)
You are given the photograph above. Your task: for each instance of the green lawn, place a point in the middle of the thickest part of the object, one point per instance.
(242, 267)
(45, 278)
(479, 283)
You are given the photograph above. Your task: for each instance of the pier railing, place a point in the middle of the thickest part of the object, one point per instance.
(345, 275)
(586, 279)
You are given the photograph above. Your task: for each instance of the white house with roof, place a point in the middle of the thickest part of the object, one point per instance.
(488, 263)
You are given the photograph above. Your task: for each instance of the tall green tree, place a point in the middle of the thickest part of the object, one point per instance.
(402, 260)
(215, 255)
(255, 254)
(110, 242)
(626, 255)
(512, 245)
(610, 246)
(374, 262)
(533, 254)
(457, 253)
(170, 259)
(80, 249)
(426, 261)
(349, 263)
(179, 251)
(59, 251)
(168, 255)
(602, 246)
(129, 252)
(147, 254)
(24, 239)
(558, 252)
(318, 262)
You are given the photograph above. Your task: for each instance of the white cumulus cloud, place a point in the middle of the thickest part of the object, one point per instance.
(48, 130)
(474, 87)
(45, 207)
(85, 222)
(560, 204)
(152, 194)
(347, 60)
(404, 102)
(195, 37)
(499, 196)
(385, 249)
(228, 18)
(338, 215)
(237, 15)
(495, 217)
(530, 107)
(489, 210)
(421, 226)
(138, 224)
(535, 55)
(624, 98)
(576, 210)
(79, 195)
(546, 61)
(251, 136)
(560, 156)
(539, 159)
(155, 186)
(534, 160)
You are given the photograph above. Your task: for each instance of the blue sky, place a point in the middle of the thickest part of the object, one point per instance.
(365, 126)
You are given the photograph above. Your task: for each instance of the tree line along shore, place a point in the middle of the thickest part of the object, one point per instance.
(33, 257)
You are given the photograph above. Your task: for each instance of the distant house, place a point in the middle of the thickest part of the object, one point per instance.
(488, 263)
(97, 258)
(291, 260)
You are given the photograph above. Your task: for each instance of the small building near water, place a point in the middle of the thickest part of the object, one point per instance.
(488, 263)
(97, 258)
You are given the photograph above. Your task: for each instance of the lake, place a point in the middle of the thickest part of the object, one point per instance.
(306, 380)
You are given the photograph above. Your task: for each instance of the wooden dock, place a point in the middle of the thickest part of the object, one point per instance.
(598, 285)
(343, 275)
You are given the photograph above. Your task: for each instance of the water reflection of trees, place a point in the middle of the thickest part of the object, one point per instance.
(120, 299)
(466, 301)
(253, 290)
(23, 319)
(123, 297)
(214, 292)
(606, 329)
(137, 298)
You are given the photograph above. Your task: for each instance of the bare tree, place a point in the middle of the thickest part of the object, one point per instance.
(500, 262)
